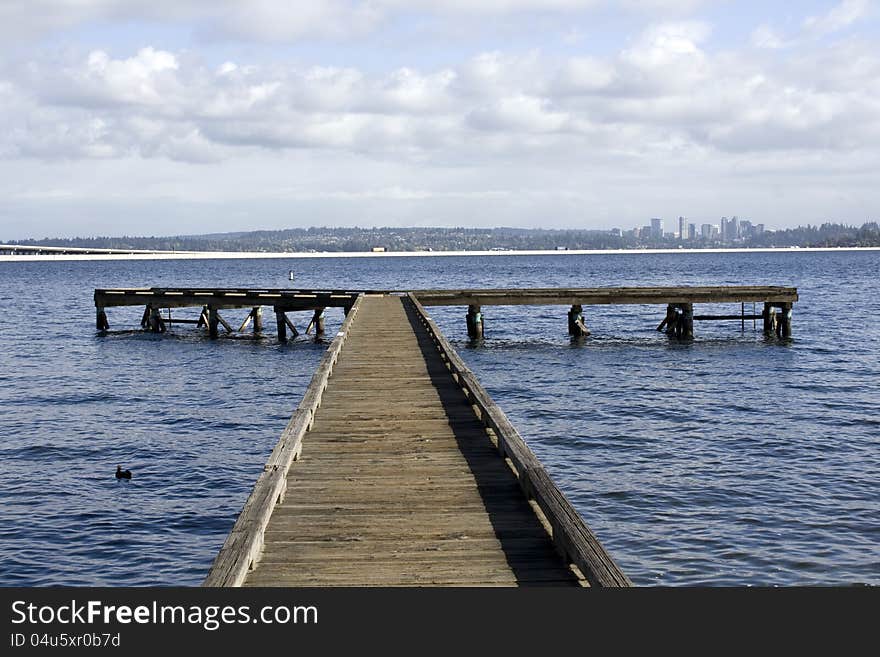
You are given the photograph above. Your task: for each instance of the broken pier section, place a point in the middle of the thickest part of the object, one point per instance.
(679, 321)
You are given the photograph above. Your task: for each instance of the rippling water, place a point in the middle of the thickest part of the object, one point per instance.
(730, 460)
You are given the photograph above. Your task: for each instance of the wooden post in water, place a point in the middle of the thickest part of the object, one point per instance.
(667, 321)
(101, 319)
(213, 322)
(687, 321)
(576, 325)
(768, 321)
(281, 323)
(672, 322)
(785, 320)
(156, 323)
(145, 318)
(474, 322)
(317, 322)
(257, 314)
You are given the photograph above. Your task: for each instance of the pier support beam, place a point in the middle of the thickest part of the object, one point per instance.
(769, 320)
(101, 319)
(687, 320)
(213, 322)
(155, 321)
(777, 322)
(281, 323)
(474, 322)
(669, 319)
(317, 322)
(255, 316)
(784, 327)
(679, 321)
(284, 323)
(576, 325)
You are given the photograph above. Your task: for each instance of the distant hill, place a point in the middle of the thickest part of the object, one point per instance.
(460, 239)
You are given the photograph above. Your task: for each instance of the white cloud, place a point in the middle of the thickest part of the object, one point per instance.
(764, 36)
(525, 114)
(666, 43)
(837, 18)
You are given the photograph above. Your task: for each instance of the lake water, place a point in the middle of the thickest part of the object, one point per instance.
(733, 459)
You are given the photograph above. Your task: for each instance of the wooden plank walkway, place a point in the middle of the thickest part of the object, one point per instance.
(398, 482)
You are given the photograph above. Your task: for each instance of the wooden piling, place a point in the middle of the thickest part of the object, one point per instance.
(213, 322)
(785, 320)
(768, 320)
(281, 323)
(101, 319)
(576, 325)
(257, 314)
(317, 322)
(155, 321)
(668, 322)
(474, 322)
(687, 321)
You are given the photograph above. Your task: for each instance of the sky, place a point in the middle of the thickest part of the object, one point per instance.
(168, 117)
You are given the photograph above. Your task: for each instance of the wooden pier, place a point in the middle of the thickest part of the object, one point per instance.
(678, 322)
(397, 468)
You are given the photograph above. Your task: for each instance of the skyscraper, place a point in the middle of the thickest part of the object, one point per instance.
(681, 233)
(656, 228)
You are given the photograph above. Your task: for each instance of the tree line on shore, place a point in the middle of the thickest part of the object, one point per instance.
(461, 239)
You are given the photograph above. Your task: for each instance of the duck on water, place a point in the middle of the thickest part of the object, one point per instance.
(122, 474)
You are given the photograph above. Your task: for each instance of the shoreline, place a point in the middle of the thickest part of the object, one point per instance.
(245, 255)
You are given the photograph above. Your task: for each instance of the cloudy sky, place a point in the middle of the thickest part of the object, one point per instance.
(155, 117)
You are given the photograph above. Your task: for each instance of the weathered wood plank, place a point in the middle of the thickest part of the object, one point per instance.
(573, 538)
(242, 548)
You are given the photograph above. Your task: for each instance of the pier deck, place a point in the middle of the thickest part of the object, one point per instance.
(400, 483)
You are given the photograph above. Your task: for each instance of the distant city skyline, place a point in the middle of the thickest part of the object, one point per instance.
(127, 117)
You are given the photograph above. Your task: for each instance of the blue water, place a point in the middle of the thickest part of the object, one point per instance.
(733, 459)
